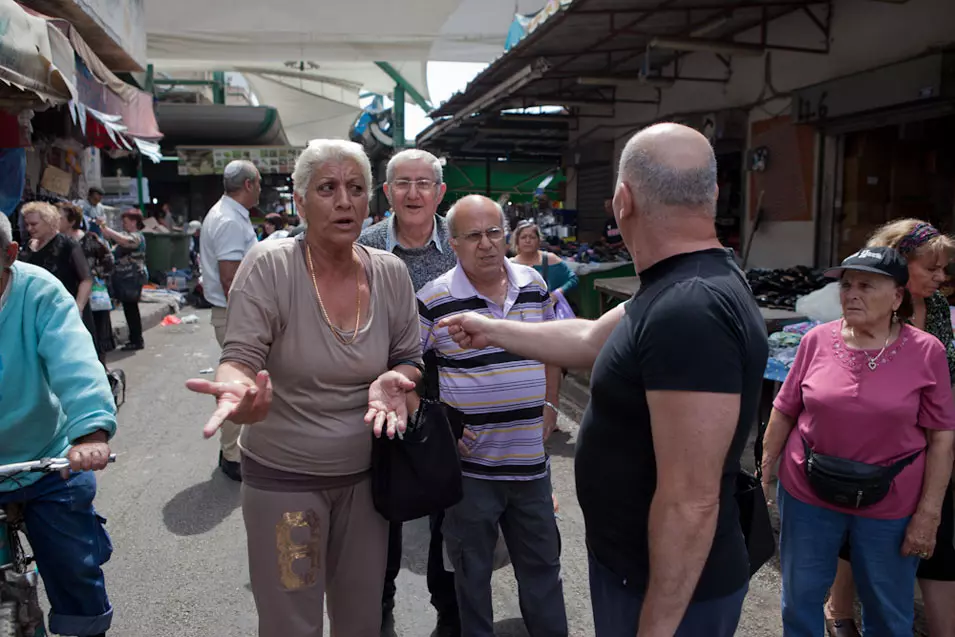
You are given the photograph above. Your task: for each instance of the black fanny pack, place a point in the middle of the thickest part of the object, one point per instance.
(848, 483)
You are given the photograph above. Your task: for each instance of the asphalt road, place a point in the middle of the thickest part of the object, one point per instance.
(179, 567)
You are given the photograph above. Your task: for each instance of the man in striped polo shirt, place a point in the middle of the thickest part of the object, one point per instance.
(502, 398)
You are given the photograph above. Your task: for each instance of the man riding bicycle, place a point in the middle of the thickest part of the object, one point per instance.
(55, 400)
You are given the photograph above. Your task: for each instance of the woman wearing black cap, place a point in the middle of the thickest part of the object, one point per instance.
(863, 432)
(927, 251)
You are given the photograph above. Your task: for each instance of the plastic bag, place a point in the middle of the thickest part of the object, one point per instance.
(822, 305)
(99, 298)
(562, 308)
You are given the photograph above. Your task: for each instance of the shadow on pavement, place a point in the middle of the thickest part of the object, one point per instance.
(202, 507)
(559, 444)
(415, 541)
(118, 355)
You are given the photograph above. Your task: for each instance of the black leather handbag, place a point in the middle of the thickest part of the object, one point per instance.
(754, 514)
(420, 473)
(848, 483)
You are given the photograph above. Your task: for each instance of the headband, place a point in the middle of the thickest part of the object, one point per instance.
(921, 234)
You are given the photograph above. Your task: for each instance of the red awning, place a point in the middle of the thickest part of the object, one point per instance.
(110, 112)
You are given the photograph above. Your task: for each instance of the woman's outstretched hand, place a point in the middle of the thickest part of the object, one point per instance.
(241, 403)
(387, 404)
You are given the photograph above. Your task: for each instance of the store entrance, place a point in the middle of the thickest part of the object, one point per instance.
(895, 172)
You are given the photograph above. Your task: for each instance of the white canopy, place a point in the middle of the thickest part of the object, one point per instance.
(353, 76)
(225, 31)
(311, 58)
(306, 112)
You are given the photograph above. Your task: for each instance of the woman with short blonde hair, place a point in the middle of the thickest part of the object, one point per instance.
(57, 253)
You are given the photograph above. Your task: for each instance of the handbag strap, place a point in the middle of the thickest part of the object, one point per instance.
(429, 387)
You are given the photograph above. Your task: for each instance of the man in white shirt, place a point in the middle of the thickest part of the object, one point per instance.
(226, 235)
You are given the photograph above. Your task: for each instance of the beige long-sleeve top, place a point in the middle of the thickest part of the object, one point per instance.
(320, 387)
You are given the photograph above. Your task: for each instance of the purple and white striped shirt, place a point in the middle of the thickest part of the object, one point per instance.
(500, 394)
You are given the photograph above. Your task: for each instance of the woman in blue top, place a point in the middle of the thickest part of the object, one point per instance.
(526, 246)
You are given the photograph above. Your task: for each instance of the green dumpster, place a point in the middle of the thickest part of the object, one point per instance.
(585, 296)
(165, 252)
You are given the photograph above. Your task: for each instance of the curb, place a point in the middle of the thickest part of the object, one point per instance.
(151, 317)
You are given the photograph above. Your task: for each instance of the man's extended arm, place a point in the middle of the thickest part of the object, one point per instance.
(572, 343)
(692, 432)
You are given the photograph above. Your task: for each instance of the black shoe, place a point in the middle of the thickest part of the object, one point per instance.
(233, 470)
(449, 625)
(133, 347)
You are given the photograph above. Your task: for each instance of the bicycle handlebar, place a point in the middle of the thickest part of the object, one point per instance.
(44, 465)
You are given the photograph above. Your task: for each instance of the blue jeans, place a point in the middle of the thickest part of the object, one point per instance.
(617, 608)
(809, 542)
(70, 544)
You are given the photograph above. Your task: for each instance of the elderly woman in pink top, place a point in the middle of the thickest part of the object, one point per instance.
(862, 429)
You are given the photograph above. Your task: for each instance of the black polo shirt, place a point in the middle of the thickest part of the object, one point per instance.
(693, 326)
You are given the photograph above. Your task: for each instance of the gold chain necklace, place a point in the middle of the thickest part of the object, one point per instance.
(328, 321)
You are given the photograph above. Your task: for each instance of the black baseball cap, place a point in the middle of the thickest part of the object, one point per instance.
(886, 261)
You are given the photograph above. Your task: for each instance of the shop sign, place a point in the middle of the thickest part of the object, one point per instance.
(270, 160)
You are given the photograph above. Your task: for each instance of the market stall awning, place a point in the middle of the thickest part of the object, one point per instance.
(514, 136)
(358, 31)
(109, 113)
(220, 125)
(589, 49)
(511, 181)
(36, 60)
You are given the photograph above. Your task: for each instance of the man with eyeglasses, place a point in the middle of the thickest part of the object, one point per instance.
(419, 237)
(501, 397)
(415, 233)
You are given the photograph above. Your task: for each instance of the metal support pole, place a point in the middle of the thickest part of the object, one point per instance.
(139, 182)
(399, 115)
(218, 89)
(487, 169)
(150, 78)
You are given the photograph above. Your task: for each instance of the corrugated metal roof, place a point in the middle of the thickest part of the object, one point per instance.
(597, 40)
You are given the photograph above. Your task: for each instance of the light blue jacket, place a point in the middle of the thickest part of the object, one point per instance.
(53, 389)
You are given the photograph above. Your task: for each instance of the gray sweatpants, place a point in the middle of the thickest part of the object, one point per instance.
(304, 544)
(525, 513)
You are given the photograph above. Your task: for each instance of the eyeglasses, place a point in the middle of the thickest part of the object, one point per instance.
(404, 185)
(493, 235)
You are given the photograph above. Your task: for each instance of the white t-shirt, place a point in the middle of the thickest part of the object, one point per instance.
(227, 234)
(278, 234)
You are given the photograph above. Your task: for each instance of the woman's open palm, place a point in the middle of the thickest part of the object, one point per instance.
(236, 402)
(387, 403)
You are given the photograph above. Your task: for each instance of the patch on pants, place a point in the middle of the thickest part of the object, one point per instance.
(290, 551)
